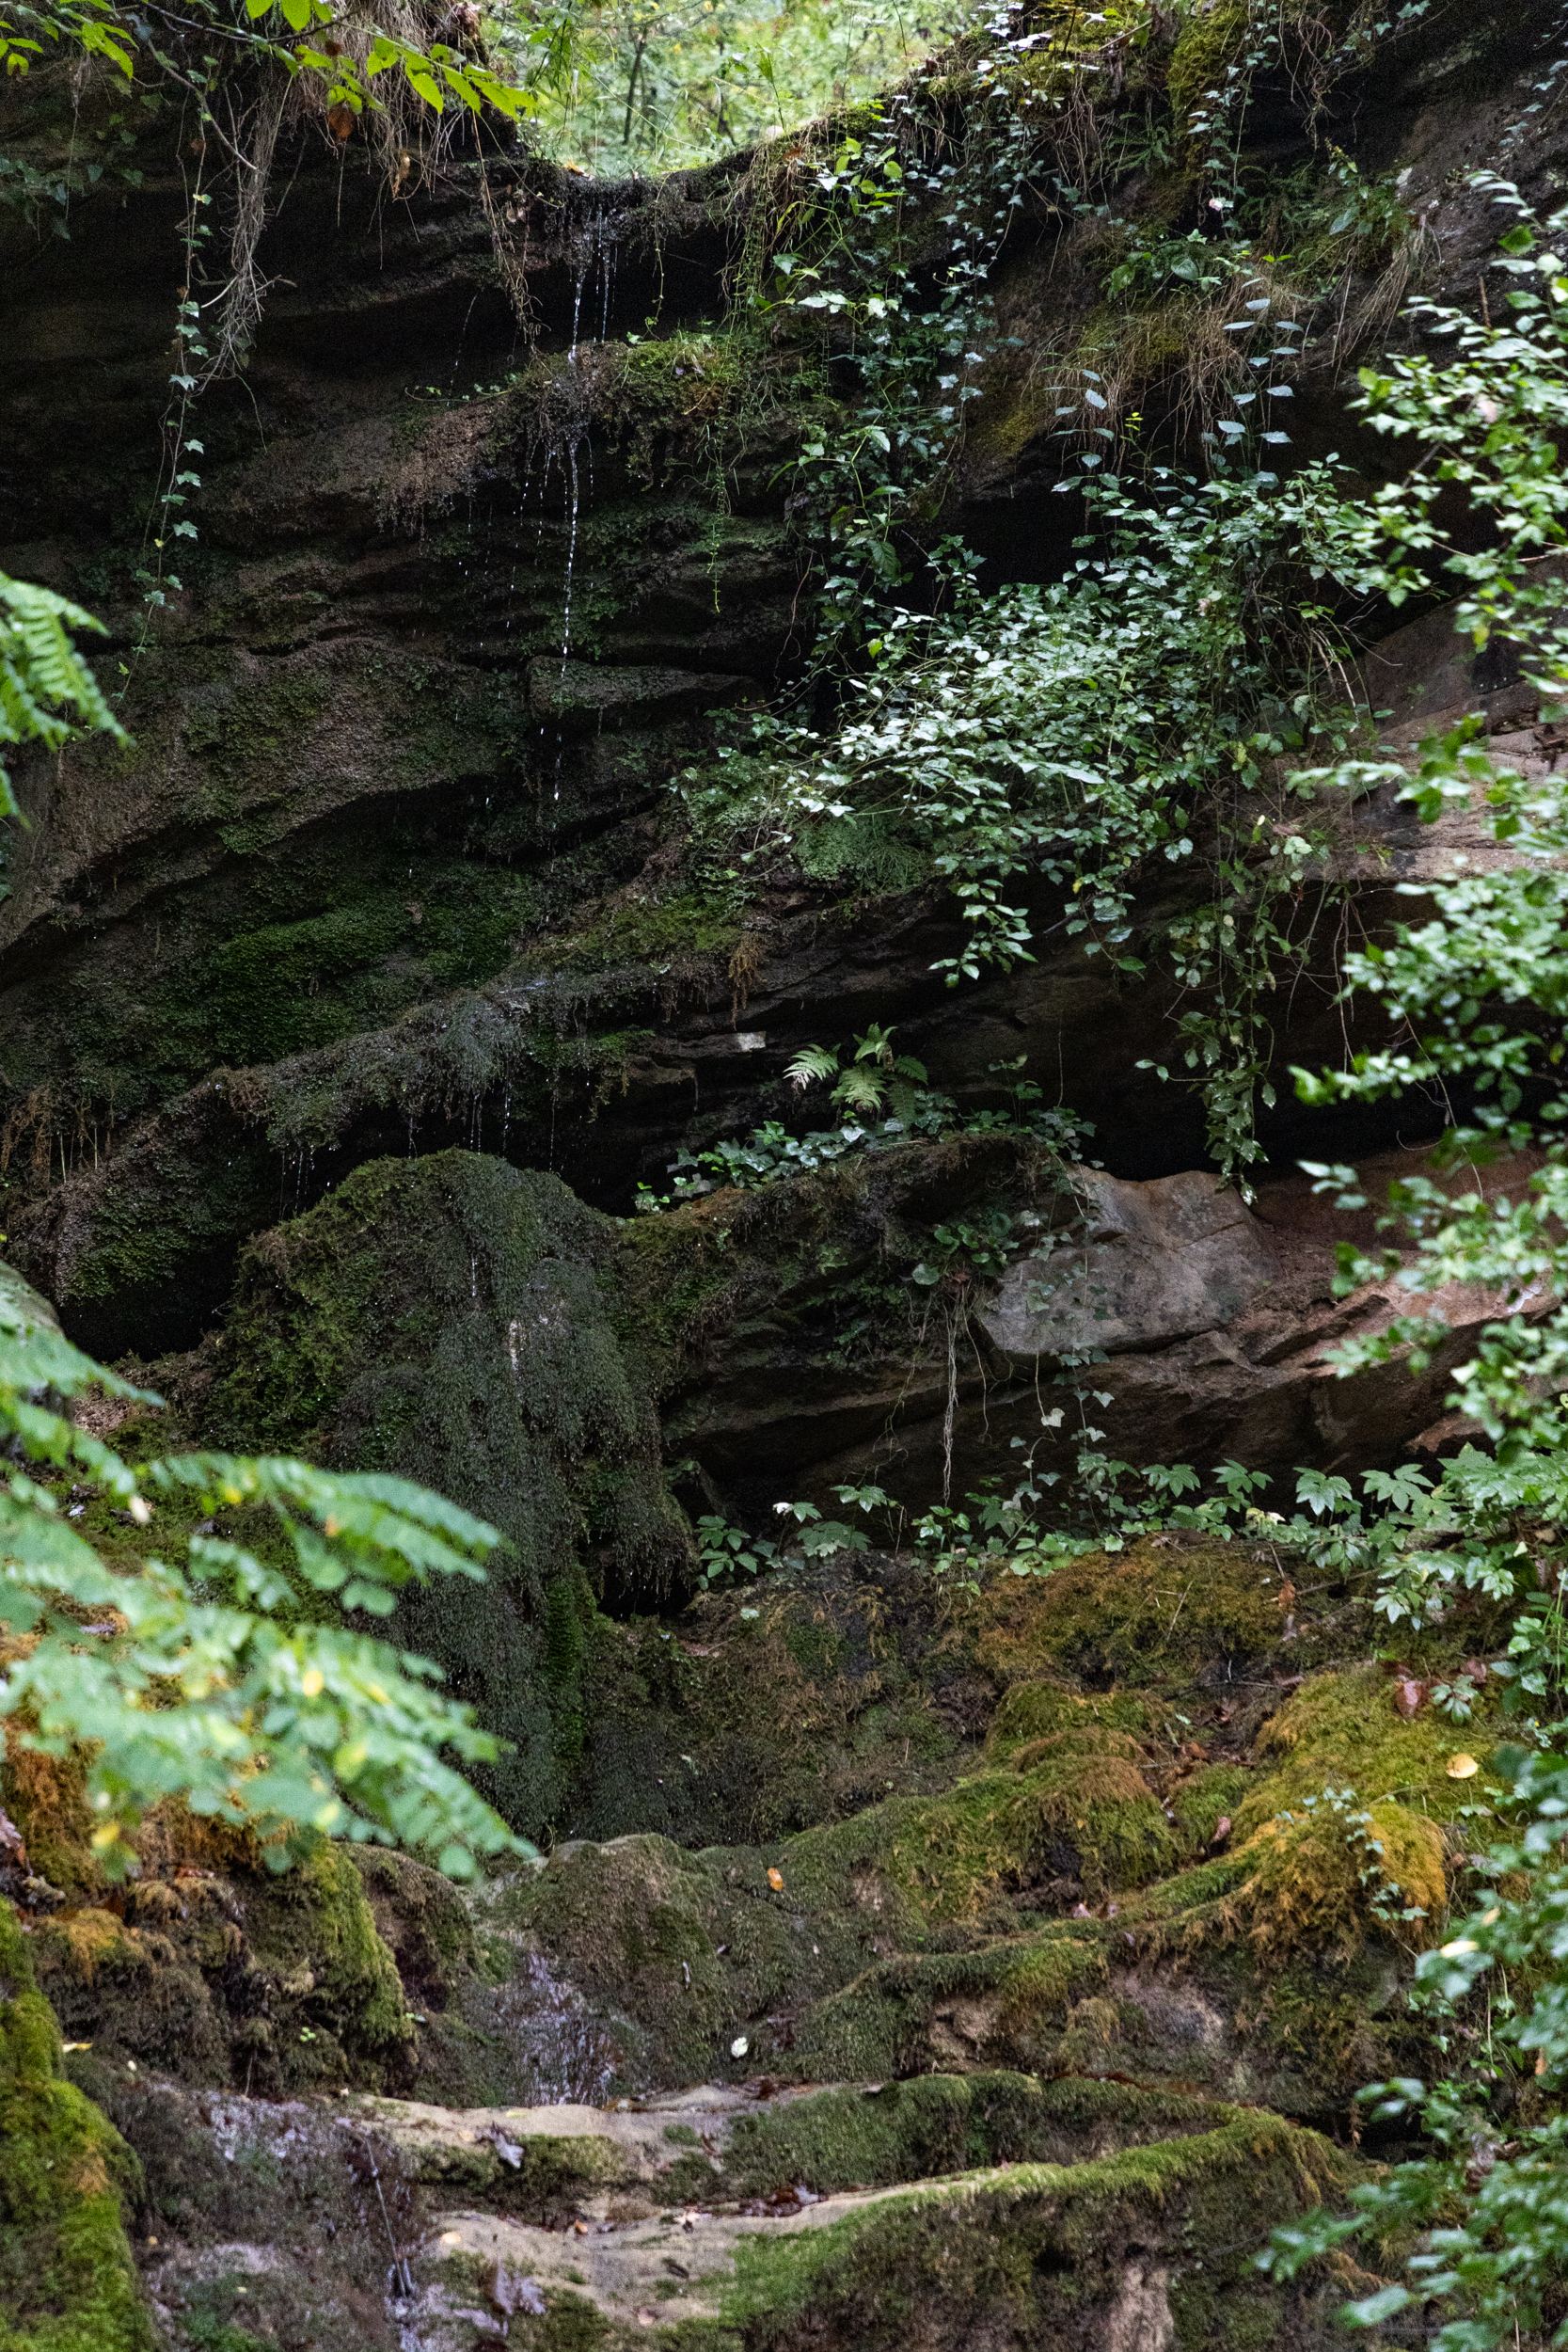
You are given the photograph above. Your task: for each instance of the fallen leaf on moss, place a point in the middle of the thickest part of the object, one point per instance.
(1408, 1696)
(775, 1880)
(1222, 1830)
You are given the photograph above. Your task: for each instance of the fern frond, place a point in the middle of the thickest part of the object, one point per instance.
(812, 1063)
(876, 1045)
(46, 688)
(858, 1091)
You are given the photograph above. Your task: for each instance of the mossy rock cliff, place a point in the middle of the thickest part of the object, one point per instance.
(960, 1959)
(451, 1318)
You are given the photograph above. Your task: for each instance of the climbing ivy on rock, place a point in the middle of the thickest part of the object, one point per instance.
(1133, 710)
(1073, 733)
(1477, 992)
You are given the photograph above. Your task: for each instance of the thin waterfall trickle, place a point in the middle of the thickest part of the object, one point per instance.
(566, 603)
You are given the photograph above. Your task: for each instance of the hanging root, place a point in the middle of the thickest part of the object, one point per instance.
(240, 302)
(406, 142)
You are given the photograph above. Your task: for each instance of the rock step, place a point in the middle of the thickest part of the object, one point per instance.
(1079, 2211)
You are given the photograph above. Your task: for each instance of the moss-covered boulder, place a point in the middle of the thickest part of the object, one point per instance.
(1149, 2246)
(448, 1318)
(66, 2182)
(213, 1968)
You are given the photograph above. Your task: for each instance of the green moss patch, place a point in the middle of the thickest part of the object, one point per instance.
(1214, 1794)
(1006, 2000)
(1068, 1811)
(67, 2180)
(682, 926)
(1154, 1612)
(1053, 2255)
(1049, 1710)
(937, 2123)
(1339, 1838)
(212, 1968)
(1345, 1729)
(1210, 40)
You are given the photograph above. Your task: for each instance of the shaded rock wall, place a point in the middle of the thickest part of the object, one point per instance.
(393, 857)
(375, 976)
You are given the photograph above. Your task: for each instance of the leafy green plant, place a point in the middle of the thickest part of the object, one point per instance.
(993, 1530)
(876, 1079)
(100, 28)
(725, 1550)
(1079, 732)
(1487, 2206)
(202, 1678)
(771, 1151)
(46, 688)
(95, 27)
(1325, 222)
(977, 1249)
(1153, 264)
(1477, 993)
(435, 72)
(818, 1539)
